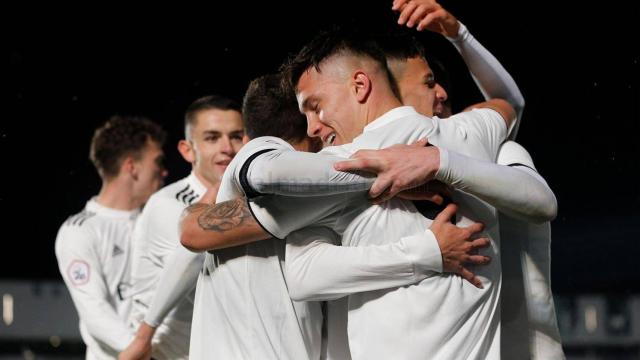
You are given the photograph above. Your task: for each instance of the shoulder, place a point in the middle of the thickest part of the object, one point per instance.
(176, 195)
(512, 154)
(260, 145)
(475, 117)
(78, 230)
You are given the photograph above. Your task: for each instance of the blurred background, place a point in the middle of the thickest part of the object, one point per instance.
(69, 69)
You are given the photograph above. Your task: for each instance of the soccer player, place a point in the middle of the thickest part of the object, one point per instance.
(93, 247)
(529, 324)
(342, 87)
(164, 273)
(242, 298)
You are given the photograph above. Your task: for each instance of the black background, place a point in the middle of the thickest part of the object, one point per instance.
(69, 69)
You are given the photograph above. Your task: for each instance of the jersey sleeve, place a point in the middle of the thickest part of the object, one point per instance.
(482, 125)
(317, 268)
(493, 80)
(155, 237)
(313, 175)
(513, 154)
(280, 215)
(80, 267)
(176, 280)
(520, 193)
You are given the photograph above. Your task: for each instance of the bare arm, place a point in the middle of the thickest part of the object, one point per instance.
(215, 226)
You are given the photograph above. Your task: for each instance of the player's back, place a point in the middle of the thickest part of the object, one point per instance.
(243, 309)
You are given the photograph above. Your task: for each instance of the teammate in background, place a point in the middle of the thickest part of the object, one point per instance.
(93, 247)
(164, 273)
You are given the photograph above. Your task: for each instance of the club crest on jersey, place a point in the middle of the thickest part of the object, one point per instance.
(79, 272)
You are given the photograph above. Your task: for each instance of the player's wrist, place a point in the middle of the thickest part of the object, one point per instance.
(145, 332)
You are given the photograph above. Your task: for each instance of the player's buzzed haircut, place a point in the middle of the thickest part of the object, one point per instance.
(336, 41)
(207, 103)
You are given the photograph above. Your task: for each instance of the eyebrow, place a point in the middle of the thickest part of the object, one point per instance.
(216, 132)
(305, 103)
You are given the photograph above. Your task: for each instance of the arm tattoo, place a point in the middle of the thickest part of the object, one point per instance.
(224, 216)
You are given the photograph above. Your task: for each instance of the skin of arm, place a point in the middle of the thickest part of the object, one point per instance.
(216, 226)
(140, 346)
(230, 223)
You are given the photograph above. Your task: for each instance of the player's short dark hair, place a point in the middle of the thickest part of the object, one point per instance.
(398, 44)
(269, 108)
(119, 137)
(337, 40)
(208, 103)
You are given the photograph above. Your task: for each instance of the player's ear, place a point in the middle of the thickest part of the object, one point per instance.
(361, 86)
(129, 166)
(185, 147)
(245, 139)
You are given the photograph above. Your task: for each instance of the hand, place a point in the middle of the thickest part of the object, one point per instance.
(428, 14)
(399, 167)
(433, 191)
(140, 346)
(459, 246)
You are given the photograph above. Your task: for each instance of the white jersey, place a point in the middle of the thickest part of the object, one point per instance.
(156, 238)
(242, 307)
(443, 316)
(93, 252)
(528, 314)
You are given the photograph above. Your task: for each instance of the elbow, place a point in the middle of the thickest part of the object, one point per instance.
(190, 241)
(551, 210)
(547, 211)
(299, 290)
(518, 103)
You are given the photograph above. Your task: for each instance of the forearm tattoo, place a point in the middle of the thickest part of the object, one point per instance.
(224, 216)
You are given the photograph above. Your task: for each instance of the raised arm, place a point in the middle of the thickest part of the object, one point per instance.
(492, 78)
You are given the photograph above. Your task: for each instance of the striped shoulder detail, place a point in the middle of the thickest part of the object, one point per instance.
(182, 192)
(79, 219)
(191, 199)
(186, 195)
(521, 164)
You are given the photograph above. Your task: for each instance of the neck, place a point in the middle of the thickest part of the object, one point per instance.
(208, 184)
(382, 105)
(117, 194)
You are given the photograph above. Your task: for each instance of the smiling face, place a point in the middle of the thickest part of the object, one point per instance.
(214, 139)
(418, 87)
(335, 99)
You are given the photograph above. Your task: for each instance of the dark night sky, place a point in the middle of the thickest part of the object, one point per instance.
(577, 67)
